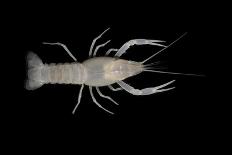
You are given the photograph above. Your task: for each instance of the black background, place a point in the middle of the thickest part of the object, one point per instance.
(178, 117)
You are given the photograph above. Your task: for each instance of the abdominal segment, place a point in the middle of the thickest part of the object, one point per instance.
(63, 73)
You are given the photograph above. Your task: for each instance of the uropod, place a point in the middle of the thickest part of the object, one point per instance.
(96, 72)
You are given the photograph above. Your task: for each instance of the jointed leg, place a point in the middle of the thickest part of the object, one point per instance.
(110, 50)
(94, 41)
(99, 46)
(95, 101)
(104, 96)
(145, 91)
(65, 48)
(114, 89)
(124, 47)
(79, 98)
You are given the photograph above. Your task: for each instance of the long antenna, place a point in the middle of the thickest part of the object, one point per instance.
(155, 71)
(164, 48)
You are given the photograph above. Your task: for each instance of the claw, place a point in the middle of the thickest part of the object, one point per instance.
(124, 47)
(163, 85)
(145, 91)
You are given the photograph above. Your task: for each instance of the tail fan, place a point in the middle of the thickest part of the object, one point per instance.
(34, 65)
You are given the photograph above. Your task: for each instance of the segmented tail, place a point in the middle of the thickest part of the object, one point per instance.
(34, 66)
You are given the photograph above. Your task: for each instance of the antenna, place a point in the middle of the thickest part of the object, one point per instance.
(164, 48)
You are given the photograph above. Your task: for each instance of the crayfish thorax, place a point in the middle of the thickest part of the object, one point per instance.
(121, 69)
(103, 71)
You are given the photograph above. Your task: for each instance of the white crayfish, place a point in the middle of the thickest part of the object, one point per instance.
(95, 71)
